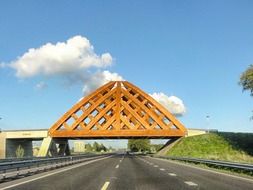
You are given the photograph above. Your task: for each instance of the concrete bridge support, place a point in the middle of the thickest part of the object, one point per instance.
(2, 145)
(54, 147)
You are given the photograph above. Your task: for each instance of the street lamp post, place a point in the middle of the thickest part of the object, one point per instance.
(207, 122)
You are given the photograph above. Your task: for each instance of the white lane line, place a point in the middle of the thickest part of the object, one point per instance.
(204, 169)
(162, 169)
(120, 161)
(155, 166)
(117, 166)
(105, 186)
(190, 183)
(172, 174)
(59, 171)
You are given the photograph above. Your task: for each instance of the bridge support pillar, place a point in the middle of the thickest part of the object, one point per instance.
(44, 147)
(2, 145)
(54, 147)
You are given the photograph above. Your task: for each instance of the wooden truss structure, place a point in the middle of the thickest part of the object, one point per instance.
(117, 110)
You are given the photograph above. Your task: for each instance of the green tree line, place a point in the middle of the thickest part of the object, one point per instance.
(96, 147)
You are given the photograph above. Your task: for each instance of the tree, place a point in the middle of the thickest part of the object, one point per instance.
(103, 148)
(246, 79)
(139, 145)
(88, 147)
(20, 152)
(96, 147)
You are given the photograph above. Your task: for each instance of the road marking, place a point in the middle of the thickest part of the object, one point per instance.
(155, 166)
(105, 186)
(117, 166)
(162, 169)
(172, 174)
(206, 170)
(120, 161)
(190, 183)
(56, 172)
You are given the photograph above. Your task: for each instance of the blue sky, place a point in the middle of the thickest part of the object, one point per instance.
(195, 50)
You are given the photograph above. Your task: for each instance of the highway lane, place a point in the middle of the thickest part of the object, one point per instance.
(121, 172)
(85, 176)
(136, 174)
(198, 177)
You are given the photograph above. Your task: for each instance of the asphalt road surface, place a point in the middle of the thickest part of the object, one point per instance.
(131, 172)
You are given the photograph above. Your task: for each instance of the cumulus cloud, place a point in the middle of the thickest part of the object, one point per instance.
(61, 58)
(174, 104)
(75, 61)
(99, 79)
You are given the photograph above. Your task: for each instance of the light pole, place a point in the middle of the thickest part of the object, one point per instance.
(207, 122)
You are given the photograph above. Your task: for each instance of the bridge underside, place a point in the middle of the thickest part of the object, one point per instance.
(122, 135)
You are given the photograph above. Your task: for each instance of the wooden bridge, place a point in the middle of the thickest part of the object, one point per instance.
(117, 110)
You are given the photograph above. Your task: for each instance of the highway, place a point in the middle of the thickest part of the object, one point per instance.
(122, 171)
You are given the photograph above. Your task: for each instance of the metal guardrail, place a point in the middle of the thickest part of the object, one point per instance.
(14, 169)
(15, 159)
(233, 165)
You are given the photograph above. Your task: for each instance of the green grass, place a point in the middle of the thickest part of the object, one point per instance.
(235, 147)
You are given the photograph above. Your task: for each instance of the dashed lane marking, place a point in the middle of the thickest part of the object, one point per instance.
(105, 186)
(117, 166)
(206, 170)
(172, 174)
(155, 166)
(162, 169)
(190, 183)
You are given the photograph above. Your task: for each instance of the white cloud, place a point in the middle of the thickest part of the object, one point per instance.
(60, 59)
(75, 61)
(41, 85)
(174, 104)
(98, 79)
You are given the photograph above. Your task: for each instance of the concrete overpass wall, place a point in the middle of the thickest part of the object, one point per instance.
(11, 140)
(26, 134)
(194, 132)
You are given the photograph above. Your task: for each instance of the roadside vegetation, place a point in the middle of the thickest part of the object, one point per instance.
(143, 145)
(94, 148)
(235, 147)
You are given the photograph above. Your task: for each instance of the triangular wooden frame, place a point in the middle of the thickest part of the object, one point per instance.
(118, 110)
